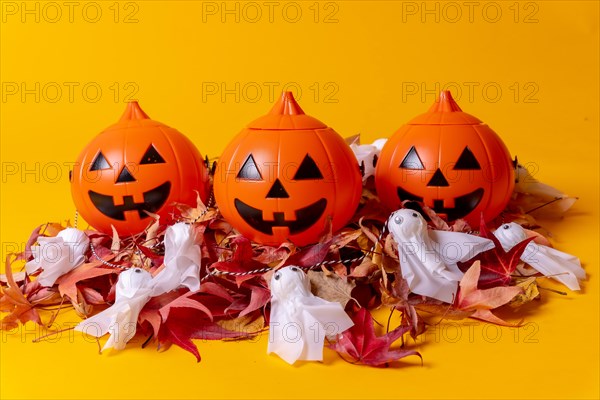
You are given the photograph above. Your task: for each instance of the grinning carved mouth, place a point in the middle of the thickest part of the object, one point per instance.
(305, 217)
(463, 205)
(153, 201)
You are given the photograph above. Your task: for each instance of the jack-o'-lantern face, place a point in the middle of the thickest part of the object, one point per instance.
(152, 199)
(303, 218)
(135, 167)
(449, 161)
(465, 201)
(284, 175)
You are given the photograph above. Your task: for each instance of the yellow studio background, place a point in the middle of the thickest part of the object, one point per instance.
(529, 69)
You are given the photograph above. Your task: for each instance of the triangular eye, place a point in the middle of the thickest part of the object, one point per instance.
(412, 160)
(467, 160)
(99, 163)
(308, 170)
(151, 156)
(249, 170)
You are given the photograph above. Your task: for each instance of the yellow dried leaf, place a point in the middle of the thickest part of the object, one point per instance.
(244, 325)
(530, 292)
(365, 268)
(346, 237)
(390, 247)
(82, 308)
(51, 229)
(331, 287)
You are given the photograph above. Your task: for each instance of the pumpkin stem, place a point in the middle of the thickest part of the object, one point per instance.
(133, 111)
(445, 103)
(286, 105)
(286, 114)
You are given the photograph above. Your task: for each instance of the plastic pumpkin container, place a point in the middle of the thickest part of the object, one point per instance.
(136, 166)
(284, 175)
(448, 160)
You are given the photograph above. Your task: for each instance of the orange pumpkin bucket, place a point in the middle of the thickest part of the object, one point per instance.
(134, 166)
(284, 175)
(450, 161)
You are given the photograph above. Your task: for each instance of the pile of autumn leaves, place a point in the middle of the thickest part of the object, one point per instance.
(237, 307)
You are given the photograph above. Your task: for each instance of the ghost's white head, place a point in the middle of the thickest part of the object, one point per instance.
(405, 224)
(131, 281)
(74, 236)
(289, 282)
(179, 233)
(510, 234)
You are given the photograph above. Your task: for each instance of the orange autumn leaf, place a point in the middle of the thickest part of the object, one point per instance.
(15, 303)
(482, 301)
(67, 284)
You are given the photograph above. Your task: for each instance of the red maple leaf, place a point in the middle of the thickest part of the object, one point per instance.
(259, 298)
(311, 255)
(245, 298)
(242, 259)
(185, 324)
(179, 316)
(212, 300)
(497, 265)
(360, 345)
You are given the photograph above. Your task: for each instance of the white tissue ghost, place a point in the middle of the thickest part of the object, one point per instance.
(182, 261)
(58, 255)
(367, 155)
(300, 320)
(136, 286)
(120, 320)
(563, 267)
(428, 258)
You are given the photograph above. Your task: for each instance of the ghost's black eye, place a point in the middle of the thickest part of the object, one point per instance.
(505, 226)
(137, 270)
(249, 170)
(415, 215)
(277, 276)
(151, 156)
(295, 269)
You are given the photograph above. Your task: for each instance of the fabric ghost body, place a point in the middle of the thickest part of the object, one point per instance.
(133, 290)
(367, 155)
(58, 255)
(136, 286)
(428, 259)
(563, 267)
(299, 320)
(181, 262)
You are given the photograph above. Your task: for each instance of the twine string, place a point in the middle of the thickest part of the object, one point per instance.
(216, 272)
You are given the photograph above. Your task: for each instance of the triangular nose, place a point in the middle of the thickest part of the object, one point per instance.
(125, 176)
(438, 179)
(277, 191)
